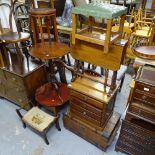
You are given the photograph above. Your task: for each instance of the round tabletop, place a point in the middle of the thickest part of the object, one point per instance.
(145, 52)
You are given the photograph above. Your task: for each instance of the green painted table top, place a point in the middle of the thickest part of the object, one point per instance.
(101, 10)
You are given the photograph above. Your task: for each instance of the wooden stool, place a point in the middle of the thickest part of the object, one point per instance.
(39, 120)
(43, 20)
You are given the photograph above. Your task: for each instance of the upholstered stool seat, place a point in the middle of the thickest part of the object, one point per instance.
(39, 120)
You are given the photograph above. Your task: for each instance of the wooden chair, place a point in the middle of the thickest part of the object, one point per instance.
(14, 38)
(128, 25)
(143, 31)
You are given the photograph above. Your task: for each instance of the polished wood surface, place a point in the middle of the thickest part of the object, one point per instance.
(49, 51)
(42, 11)
(48, 95)
(146, 52)
(86, 52)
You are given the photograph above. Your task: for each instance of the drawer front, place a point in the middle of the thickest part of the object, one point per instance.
(14, 80)
(150, 99)
(131, 148)
(84, 117)
(88, 99)
(139, 131)
(138, 139)
(86, 106)
(145, 88)
(143, 111)
(85, 112)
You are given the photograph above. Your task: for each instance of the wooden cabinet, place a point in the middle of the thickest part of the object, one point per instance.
(143, 98)
(137, 137)
(18, 82)
(90, 110)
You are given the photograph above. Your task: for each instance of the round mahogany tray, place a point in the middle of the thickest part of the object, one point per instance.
(145, 52)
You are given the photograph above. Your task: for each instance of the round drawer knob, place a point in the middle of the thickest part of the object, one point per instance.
(144, 97)
(84, 113)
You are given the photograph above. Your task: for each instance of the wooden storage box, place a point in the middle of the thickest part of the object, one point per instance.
(18, 82)
(101, 139)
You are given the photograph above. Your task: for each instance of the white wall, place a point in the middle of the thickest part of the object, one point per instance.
(4, 16)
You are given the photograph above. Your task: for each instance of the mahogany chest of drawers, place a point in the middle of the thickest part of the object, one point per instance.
(143, 98)
(91, 114)
(18, 82)
(137, 138)
(137, 135)
(89, 103)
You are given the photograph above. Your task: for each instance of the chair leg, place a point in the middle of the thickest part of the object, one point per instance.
(69, 61)
(121, 83)
(45, 139)
(57, 125)
(19, 114)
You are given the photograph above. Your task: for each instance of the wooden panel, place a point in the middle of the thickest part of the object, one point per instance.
(86, 52)
(14, 80)
(18, 83)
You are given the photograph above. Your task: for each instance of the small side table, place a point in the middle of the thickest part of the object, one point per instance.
(145, 52)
